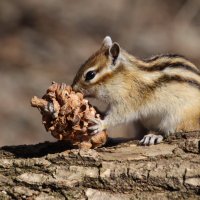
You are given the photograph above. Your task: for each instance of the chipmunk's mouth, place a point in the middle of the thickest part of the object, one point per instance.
(85, 92)
(76, 88)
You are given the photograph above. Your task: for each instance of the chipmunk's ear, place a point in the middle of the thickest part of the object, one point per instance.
(114, 51)
(107, 42)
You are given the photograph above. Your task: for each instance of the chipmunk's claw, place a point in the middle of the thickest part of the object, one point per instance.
(98, 126)
(95, 120)
(151, 139)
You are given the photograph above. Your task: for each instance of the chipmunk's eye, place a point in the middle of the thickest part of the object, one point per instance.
(90, 75)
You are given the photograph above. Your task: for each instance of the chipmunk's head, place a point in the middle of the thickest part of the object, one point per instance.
(93, 74)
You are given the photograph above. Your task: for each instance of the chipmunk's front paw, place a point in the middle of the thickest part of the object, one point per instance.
(151, 139)
(98, 127)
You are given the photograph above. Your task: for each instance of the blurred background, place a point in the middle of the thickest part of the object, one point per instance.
(45, 41)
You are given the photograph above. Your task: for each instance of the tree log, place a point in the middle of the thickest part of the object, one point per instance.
(170, 170)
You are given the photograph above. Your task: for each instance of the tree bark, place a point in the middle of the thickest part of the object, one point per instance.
(170, 170)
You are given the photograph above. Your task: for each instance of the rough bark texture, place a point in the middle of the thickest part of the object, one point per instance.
(170, 170)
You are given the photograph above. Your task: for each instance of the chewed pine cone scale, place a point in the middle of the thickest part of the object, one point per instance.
(66, 115)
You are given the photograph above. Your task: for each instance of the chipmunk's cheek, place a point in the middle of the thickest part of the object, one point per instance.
(88, 93)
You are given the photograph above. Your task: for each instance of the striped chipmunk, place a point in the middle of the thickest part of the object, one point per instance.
(162, 92)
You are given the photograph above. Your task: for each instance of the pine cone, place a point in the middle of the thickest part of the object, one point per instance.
(66, 115)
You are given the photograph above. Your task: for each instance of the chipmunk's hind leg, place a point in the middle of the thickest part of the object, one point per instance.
(191, 121)
(151, 139)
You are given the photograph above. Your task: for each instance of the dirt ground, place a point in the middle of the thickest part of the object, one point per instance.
(45, 41)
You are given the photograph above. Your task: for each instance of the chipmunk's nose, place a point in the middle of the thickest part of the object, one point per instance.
(75, 87)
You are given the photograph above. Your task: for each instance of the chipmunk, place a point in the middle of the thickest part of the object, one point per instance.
(162, 92)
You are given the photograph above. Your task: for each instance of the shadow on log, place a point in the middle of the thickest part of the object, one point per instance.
(170, 170)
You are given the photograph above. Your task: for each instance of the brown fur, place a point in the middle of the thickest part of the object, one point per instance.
(133, 83)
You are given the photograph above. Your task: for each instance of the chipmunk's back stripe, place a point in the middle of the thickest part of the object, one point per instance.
(154, 58)
(165, 79)
(164, 65)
